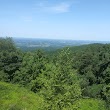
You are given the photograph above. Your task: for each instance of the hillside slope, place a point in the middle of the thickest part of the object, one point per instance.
(13, 97)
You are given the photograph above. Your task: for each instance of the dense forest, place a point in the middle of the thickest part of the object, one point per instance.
(72, 78)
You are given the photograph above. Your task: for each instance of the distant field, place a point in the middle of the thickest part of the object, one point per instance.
(29, 44)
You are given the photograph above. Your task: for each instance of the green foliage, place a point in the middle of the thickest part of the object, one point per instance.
(59, 79)
(13, 97)
(106, 94)
(31, 67)
(10, 59)
(93, 91)
(93, 65)
(89, 104)
(58, 83)
(7, 44)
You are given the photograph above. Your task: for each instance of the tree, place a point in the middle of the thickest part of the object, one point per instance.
(10, 58)
(32, 64)
(106, 94)
(58, 83)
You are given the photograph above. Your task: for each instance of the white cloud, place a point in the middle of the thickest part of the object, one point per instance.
(60, 8)
(54, 8)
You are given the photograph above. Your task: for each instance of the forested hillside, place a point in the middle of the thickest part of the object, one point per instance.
(75, 78)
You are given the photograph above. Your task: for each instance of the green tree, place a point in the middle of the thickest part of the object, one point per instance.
(10, 59)
(58, 83)
(106, 94)
(32, 64)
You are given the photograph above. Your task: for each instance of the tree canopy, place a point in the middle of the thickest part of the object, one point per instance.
(61, 78)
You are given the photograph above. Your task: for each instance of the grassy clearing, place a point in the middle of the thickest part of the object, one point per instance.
(13, 97)
(89, 104)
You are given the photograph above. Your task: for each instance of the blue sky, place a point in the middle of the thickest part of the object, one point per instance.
(56, 19)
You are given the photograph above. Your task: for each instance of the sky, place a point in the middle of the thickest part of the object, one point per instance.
(56, 19)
